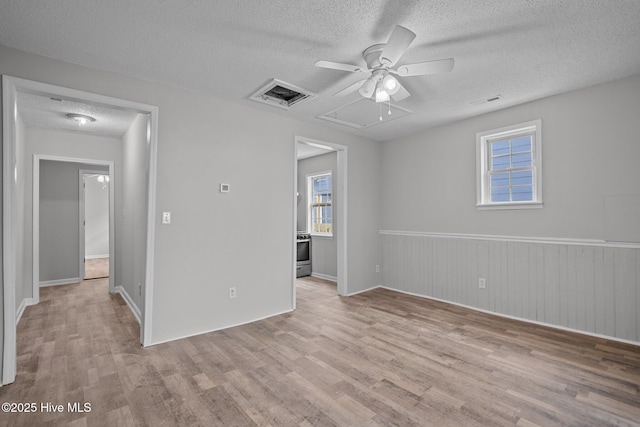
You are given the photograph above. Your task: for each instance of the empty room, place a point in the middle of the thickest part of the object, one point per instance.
(320, 213)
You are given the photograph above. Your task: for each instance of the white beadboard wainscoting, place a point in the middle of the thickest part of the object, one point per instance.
(584, 285)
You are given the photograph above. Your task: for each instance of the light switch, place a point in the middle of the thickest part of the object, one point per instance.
(166, 217)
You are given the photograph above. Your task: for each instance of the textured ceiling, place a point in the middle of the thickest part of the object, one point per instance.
(45, 112)
(520, 49)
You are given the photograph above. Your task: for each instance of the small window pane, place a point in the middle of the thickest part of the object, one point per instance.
(501, 163)
(521, 144)
(499, 148)
(500, 194)
(521, 160)
(521, 178)
(521, 194)
(500, 180)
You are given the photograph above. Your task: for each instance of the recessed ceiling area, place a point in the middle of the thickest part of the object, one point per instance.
(521, 50)
(49, 112)
(364, 113)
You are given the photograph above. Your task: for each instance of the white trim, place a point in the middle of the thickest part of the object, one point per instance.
(9, 190)
(68, 281)
(10, 87)
(341, 220)
(541, 240)
(535, 322)
(482, 174)
(24, 304)
(132, 305)
(365, 290)
(324, 276)
(223, 327)
(96, 256)
(147, 287)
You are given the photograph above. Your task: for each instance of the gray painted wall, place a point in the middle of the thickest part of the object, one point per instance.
(324, 250)
(63, 144)
(131, 207)
(59, 217)
(214, 241)
(96, 216)
(590, 180)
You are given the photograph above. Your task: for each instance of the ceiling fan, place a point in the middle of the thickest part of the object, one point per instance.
(380, 59)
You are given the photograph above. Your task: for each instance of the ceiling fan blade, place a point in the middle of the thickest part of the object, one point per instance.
(401, 94)
(338, 66)
(398, 42)
(423, 68)
(351, 88)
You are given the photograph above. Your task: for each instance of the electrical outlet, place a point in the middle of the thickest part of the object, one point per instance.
(482, 283)
(377, 268)
(232, 292)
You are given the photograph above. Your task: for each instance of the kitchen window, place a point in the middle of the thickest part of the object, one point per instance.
(320, 212)
(509, 167)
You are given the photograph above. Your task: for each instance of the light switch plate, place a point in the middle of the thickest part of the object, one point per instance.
(224, 188)
(166, 217)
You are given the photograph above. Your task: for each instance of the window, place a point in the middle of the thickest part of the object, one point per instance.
(320, 217)
(509, 171)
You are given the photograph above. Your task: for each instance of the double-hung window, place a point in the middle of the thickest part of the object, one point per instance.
(319, 197)
(509, 171)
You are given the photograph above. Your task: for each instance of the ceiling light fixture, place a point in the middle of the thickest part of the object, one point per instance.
(82, 119)
(368, 87)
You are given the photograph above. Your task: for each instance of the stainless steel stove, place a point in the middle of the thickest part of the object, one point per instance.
(303, 259)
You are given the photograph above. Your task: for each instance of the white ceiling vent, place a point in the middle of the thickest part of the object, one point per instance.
(487, 101)
(281, 94)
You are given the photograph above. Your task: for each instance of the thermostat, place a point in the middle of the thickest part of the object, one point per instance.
(224, 188)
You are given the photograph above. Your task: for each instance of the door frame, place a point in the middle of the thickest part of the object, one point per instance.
(11, 86)
(341, 211)
(82, 173)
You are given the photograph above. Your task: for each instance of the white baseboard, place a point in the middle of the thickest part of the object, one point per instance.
(324, 276)
(60, 282)
(221, 328)
(96, 256)
(350, 294)
(24, 304)
(132, 305)
(535, 322)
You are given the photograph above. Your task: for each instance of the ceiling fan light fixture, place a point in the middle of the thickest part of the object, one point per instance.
(82, 119)
(381, 94)
(390, 84)
(368, 87)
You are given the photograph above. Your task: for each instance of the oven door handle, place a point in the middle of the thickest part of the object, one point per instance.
(303, 240)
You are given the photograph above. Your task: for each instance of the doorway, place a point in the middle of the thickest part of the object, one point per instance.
(339, 222)
(19, 254)
(93, 226)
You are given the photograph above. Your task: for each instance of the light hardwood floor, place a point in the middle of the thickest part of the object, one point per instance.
(96, 268)
(378, 358)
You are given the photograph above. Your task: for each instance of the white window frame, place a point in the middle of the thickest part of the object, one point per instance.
(483, 139)
(310, 178)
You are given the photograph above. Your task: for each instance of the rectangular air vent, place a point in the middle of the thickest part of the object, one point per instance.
(487, 101)
(281, 94)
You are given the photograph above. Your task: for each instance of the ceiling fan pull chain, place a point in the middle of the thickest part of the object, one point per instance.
(380, 105)
(389, 112)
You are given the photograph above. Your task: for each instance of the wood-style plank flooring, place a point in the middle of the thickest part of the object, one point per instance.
(378, 358)
(96, 268)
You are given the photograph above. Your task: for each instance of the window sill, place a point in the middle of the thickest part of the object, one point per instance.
(501, 206)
